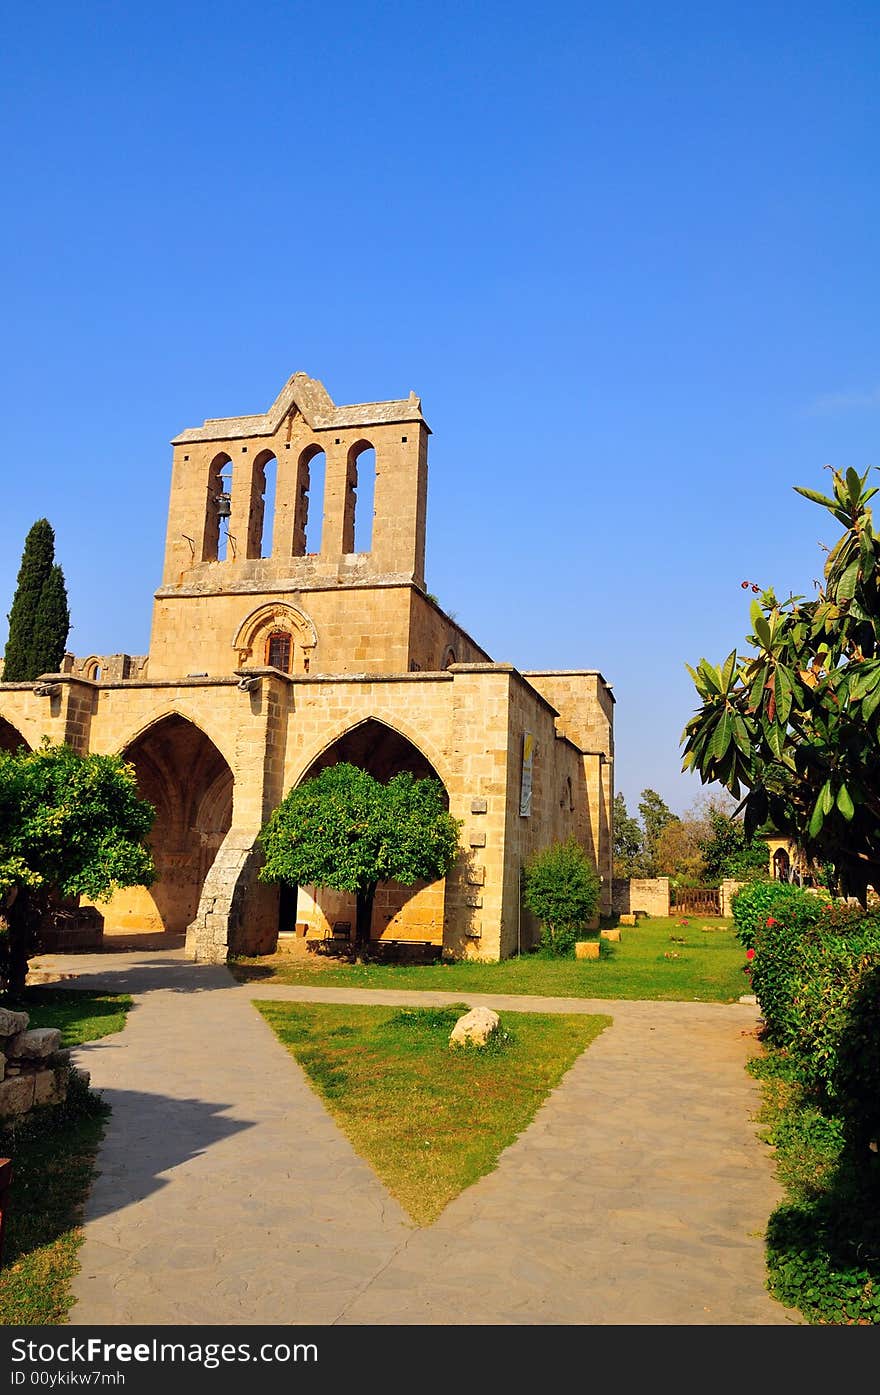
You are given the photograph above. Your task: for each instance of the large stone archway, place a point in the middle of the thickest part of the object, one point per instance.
(410, 914)
(189, 783)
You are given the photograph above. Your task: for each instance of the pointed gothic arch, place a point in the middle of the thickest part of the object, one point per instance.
(218, 506)
(308, 521)
(187, 779)
(360, 498)
(410, 914)
(261, 512)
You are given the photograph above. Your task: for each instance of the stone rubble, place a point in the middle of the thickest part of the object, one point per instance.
(34, 1069)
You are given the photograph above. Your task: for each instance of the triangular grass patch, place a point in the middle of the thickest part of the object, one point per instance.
(430, 1119)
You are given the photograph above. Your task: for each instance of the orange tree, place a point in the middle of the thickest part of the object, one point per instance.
(345, 830)
(70, 825)
(791, 728)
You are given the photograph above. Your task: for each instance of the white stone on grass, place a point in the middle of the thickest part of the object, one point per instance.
(475, 1028)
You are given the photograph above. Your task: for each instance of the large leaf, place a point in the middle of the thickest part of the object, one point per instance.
(722, 738)
(844, 802)
(775, 735)
(756, 695)
(870, 704)
(815, 496)
(727, 671)
(710, 675)
(854, 484)
(783, 692)
(846, 587)
(741, 735)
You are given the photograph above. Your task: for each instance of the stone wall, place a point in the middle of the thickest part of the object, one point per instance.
(647, 894)
(33, 1068)
(729, 888)
(468, 723)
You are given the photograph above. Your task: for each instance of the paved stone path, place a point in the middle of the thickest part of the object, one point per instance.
(227, 1194)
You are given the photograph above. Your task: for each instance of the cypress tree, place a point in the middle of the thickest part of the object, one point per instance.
(51, 626)
(36, 564)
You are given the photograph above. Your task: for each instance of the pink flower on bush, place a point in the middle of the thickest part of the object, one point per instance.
(770, 921)
(750, 954)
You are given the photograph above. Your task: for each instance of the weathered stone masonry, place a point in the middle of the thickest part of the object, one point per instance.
(267, 662)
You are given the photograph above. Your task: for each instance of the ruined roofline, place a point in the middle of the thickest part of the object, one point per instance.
(317, 407)
(571, 673)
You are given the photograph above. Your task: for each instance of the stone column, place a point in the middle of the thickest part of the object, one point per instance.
(237, 912)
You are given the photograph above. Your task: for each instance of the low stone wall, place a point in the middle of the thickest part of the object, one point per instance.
(33, 1068)
(729, 888)
(650, 895)
(66, 930)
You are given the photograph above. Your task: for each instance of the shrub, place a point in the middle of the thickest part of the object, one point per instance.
(816, 975)
(833, 1035)
(855, 1077)
(773, 919)
(561, 888)
(753, 903)
(822, 1256)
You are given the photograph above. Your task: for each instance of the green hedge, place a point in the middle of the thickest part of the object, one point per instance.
(835, 1029)
(787, 903)
(775, 919)
(816, 976)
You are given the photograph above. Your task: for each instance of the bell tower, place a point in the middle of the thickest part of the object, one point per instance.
(221, 541)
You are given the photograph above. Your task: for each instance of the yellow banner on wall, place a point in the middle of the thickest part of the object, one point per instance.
(525, 798)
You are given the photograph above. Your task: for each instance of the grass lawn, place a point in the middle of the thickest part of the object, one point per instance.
(53, 1154)
(428, 1118)
(700, 960)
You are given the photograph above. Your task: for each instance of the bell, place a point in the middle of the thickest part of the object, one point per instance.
(223, 505)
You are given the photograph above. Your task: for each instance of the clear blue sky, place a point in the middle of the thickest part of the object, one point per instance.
(627, 255)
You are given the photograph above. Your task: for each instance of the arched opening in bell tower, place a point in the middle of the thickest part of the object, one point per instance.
(309, 522)
(219, 509)
(360, 500)
(262, 505)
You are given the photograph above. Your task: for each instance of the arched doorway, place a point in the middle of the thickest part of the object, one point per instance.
(781, 865)
(11, 738)
(189, 783)
(403, 914)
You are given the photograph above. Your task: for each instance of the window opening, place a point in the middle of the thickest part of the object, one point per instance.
(278, 650)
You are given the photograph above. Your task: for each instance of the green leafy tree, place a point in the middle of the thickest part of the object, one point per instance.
(347, 831)
(51, 626)
(629, 842)
(727, 852)
(791, 728)
(656, 815)
(37, 561)
(679, 852)
(70, 825)
(561, 888)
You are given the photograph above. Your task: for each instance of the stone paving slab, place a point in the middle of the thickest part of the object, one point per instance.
(227, 1194)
